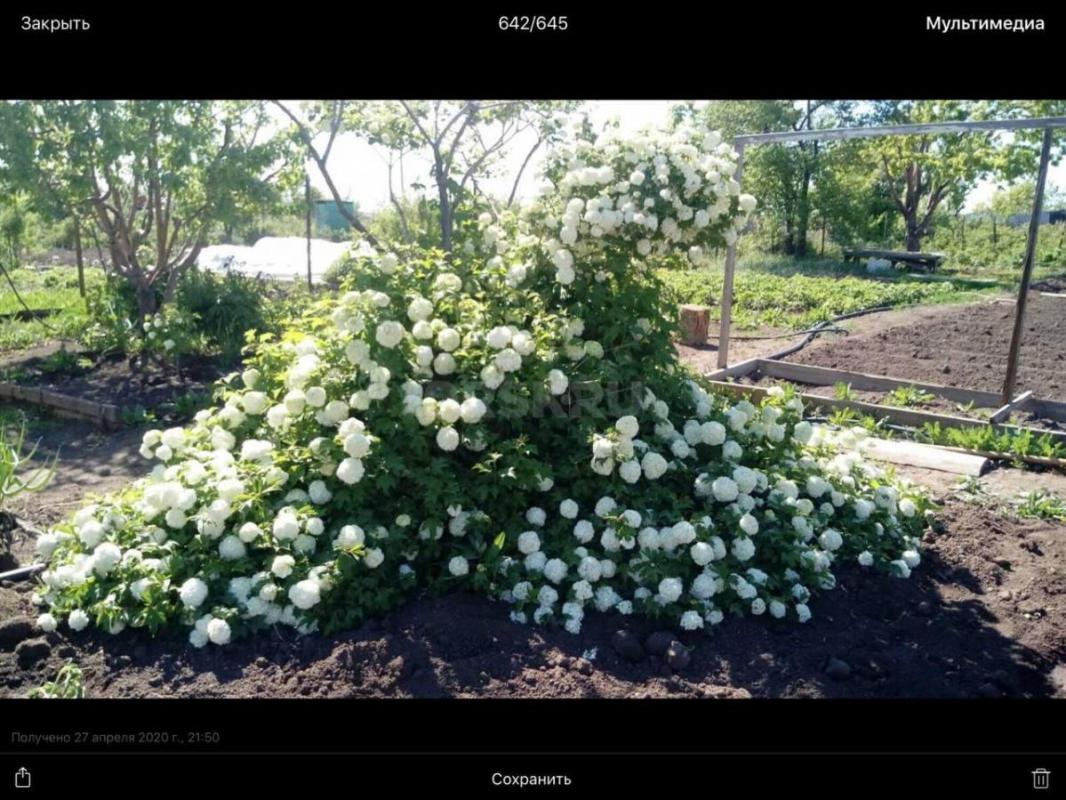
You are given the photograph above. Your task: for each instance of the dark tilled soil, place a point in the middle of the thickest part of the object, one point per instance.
(90, 462)
(985, 615)
(957, 346)
(115, 380)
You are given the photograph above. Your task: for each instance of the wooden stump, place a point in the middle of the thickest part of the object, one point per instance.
(694, 323)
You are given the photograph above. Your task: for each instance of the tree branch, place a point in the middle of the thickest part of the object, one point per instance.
(352, 218)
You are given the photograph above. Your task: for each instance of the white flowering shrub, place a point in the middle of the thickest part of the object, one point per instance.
(510, 417)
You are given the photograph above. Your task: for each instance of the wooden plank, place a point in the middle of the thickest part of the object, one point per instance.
(1054, 463)
(1017, 404)
(927, 456)
(735, 371)
(834, 134)
(727, 281)
(106, 414)
(1027, 271)
(824, 376)
(909, 417)
(1048, 409)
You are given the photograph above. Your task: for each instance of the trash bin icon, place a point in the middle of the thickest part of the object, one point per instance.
(1041, 778)
(22, 778)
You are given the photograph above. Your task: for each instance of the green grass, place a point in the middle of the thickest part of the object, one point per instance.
(54, 288)
(843, 391)
(990, 440)
(1041, 504)
(908, 397)
(782, 293)
(68, 685)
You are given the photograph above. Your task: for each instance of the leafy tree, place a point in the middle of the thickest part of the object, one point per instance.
(853, 205)
(464, 142)
(15, 211)
(783, 176)
(152, 176)
(924, 172)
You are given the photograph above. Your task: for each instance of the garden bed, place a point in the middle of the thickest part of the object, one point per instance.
(900, 400)
(80, 382)
(960, 346)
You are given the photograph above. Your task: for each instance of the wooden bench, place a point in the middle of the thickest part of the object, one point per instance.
(926, 262)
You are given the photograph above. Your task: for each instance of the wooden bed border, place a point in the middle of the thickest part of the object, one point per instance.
(823, 376)
(106, 415)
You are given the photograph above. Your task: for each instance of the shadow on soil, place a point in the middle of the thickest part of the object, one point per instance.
(896, 638)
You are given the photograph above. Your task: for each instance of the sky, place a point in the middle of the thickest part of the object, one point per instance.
(360, 173)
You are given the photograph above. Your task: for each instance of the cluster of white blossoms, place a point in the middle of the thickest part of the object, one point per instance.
(811, 505)
(657, 192)
(432, 424)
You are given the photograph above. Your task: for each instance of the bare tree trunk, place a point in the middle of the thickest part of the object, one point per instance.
(307, 198)
(803, 214)
(78, 256)
(146, 299)
(445, 205)
(404, 230)
(914, 237)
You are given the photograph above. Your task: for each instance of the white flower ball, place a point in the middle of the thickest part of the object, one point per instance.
(319, 492)
(449, 339)
(350, 471)
(555, 570)
(374, 558)
(389, 333)
(568, 509)
(193, 593)
(653, 465)
(498, 338)
(419, 309)
(536, 516)
(231, 548)
(630, 471)
(447, 438)
(691, 621)
(670, 589)
(702, 553)
(743, 548)
(749, 524)
(472, 410)
(584, 531)
(305, 594)
(627, 426)
(724, 489)
(449, 411)
(444, 364)
(831, 539)
(282, 566)
(218, 631)
(557, 382)
(528, 542)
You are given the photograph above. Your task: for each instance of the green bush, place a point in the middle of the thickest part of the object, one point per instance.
(787, 294)
(225, 307)
(509, 418)
(211, 314)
